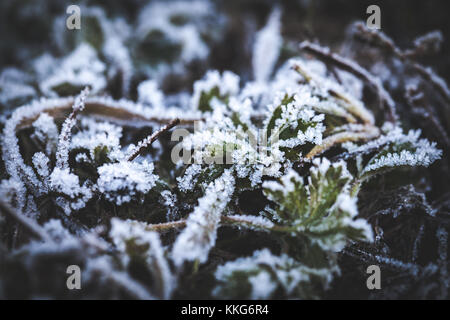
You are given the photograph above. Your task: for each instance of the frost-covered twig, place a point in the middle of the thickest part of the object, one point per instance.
(352, 67)
(62, 153)
(240, 221)
(150, 139)
(380, 39)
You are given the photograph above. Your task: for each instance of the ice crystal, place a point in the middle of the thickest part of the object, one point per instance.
(324, 210)
(267, 47)
(82, 68)
(125, 181)
(280, 157)
(259, 276)
(200, 234)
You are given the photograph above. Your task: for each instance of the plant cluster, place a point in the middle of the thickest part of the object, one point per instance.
(260, 198)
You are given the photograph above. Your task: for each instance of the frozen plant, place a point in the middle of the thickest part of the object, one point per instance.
(287, 167)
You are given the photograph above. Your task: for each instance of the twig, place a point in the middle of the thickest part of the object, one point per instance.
(226, 220)
(380, 39)
(36, 230)
(152, 138)
(62, 154)
(352, 67)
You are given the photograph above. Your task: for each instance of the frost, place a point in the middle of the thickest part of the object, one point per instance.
(200, 234)
(267, 47)
(62, 153)
(125, 181)
(80, 69)
(149, 93)
(324, 210)
(131, 238)
(214, 85)
(97, 135)
(68, 185)
(258, 276)
(397, 150)
(46, 132)
(255, 222)
(14, 88)
(160, 20)
(118, 55)
(41, 163)
(280, 158)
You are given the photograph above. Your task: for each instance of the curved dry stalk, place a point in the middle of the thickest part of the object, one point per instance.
(370, 132)
(352, 67)
(95, 107)
(150, 139)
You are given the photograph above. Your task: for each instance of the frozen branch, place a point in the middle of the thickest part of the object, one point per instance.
(143, 144)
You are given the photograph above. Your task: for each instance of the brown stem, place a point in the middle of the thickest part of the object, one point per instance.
(226, 220)
(152, 138)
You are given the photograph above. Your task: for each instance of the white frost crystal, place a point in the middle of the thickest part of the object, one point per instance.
(267, 47)
(200, 234)
(265, 273)
(81, 68)
(122, 182)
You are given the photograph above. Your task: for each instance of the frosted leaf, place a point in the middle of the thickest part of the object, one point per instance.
(293, 121)
(14, 162)
(133, 241)
(188, 181)
(322, 210)
(397, 149)
(80, 69)
(214, 85)
(260, 275)
(96, 136)
(267, 47)
(125, 181)
(73, 195)
(46, 132)
(200, 233)
(149, 93)
(57, 232)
